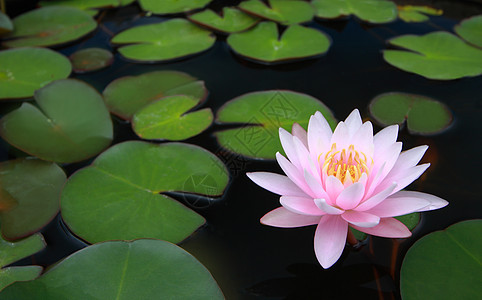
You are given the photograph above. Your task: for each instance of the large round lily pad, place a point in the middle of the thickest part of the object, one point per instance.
(424, 115)
(91, 59)
(260, 115)
(373, 11)
(141, 269)
(169, 119)
(281, 11)
(415, 13)
(471, 30)
(263, 43)
(437, 55)
(168, 40)
(89, 6)
(71, 123)
(120, 196)
(49, 26)
(24, 70)
(231, 20)
(445, 264)
(34, 185)
(172, 6)
(126, 95)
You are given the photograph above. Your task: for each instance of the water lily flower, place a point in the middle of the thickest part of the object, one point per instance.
(346, 178)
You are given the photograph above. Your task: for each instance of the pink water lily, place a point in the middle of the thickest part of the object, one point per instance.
(346, 178)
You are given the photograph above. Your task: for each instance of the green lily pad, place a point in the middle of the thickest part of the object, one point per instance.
(167, 119)
(141, 269)
(91, 59)
(410, 220)
(125, 2)
(35, 186)
(445, 264)
(263, 44)
(286, 12)
(126, 95)
(424, 115)
(471, 30)
(10, 252)
(6, 24)
(372, 11)
(49, 26)
(120, 196)
(70, 124)
(415, 13)
(89, 6)
(231, 20)
(172, 6)
(24, 70)
(260, 115)
(437, 55)
(168, 40)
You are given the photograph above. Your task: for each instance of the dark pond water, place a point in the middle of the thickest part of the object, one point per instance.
(252, 261)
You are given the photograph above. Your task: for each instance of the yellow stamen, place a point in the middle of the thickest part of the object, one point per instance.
(344, 163)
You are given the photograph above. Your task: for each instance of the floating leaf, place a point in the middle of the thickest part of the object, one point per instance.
(261, 114)
(167, 119)
(410, 220)
(35, 186)
(24, 70)
(172, 6)
(168, 40)
(286, 12)
(263, 44)
(445, 264)
(11, 252)
(5, 24)
(71, 123)
(49, 26)
(89, 6)
(91, 59)
(126, 95)
(471, 30)
(437, 55)
(120, 195)
(424, 115)
(141, 269)
(415, 13)
(373, 11)
(231, 20)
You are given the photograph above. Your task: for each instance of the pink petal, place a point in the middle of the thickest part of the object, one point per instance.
(301, 205)
(376, 199)
(387, 160)
(384, 139)
(327, 208)
(411, 157)
(315, 186)
(398, 206)
(276, 183)
(341, 136)
(333, 188)
(353, 122)
(435, 202)
(288, 146)
(281, 217)
(363, 139)
(330, 240)
(304, 157)
(300, 133)
(388, 227)
(408, 176)
(360, 218)
(351, 196)
(319, 134)
(294, 174)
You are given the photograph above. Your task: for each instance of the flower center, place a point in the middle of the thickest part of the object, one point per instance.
(344, 164)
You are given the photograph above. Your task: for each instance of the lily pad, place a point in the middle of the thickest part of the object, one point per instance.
(126, 95)
(49, 26)
(141, 269)
(91, 59)
(410, 220)
(35, 186)
(89, 6)
(5, 24)
(231, 20)
(71, 123)
(286, 12)
(167, 119)
(372, 11)
(168, 40)
(445, 264)
(263, 44)
(424, 115)
(24, 70)
(437, 55)
(471, 30)
(120, 196)
(172, 6)
(10, 252)
(260, 115)
(415, 13)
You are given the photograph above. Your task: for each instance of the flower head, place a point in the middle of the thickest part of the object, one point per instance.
(346, 178)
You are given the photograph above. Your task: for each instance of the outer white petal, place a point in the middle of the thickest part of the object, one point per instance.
(301, 205)
(341, 136)
(294, 174)
(384, 139)
(376, 199)
(388, 227)
(315, 186)
(435, 202)
(353, 122)
(289, 147)
(363, 139)
(300, 133)
(304, 157)
(327, 208)
(319, 134)
(330, 240)
(398, 206)
(276, 183)
(281, 217)
(361, 218)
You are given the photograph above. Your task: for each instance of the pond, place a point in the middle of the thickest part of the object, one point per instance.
(247, 259)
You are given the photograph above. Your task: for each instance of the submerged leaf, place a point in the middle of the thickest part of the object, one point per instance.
(91, 59)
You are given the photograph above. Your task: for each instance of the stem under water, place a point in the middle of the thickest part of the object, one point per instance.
(350, 238)
(3, 7)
